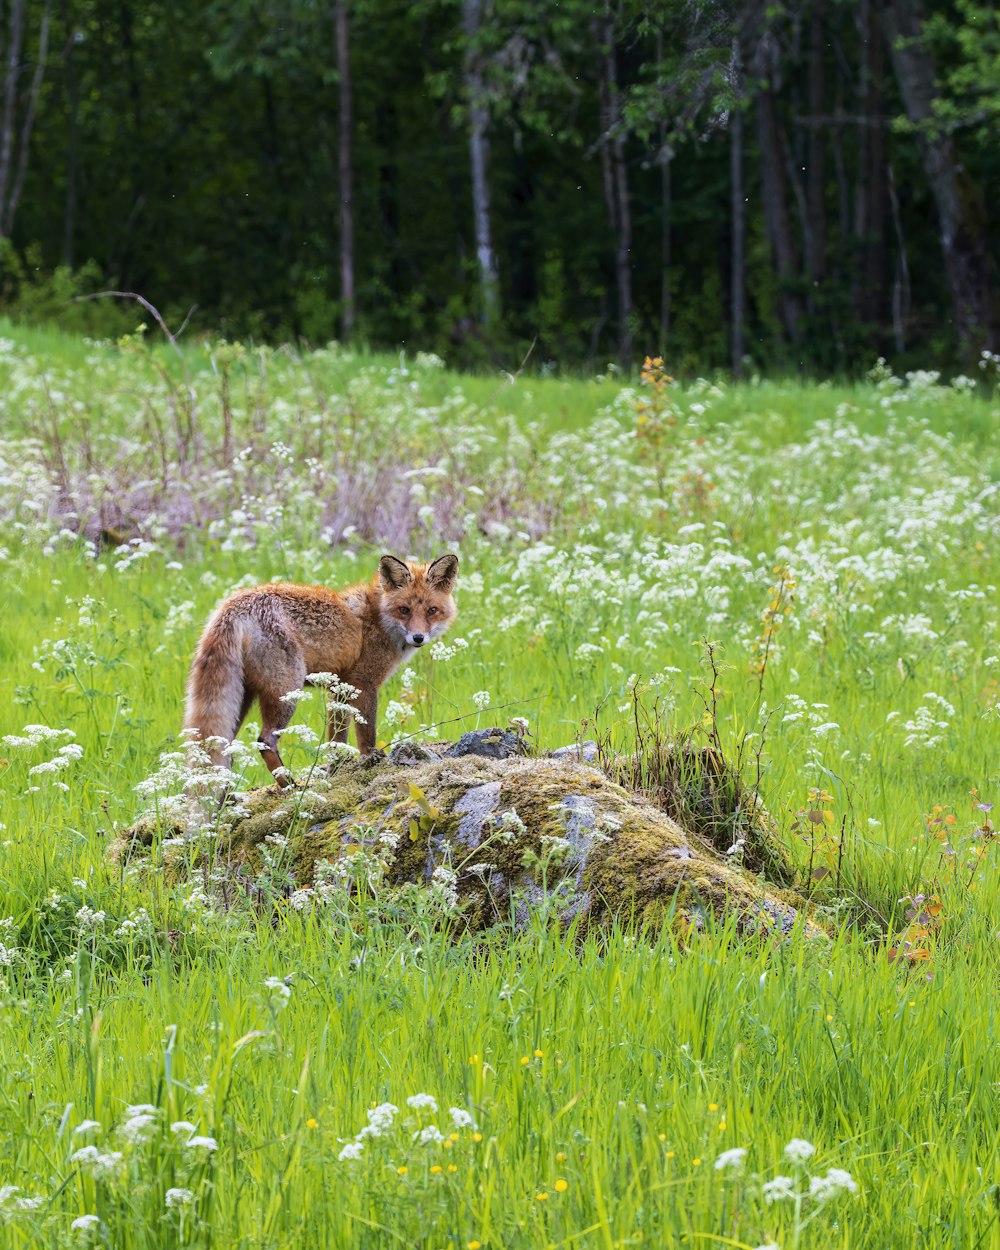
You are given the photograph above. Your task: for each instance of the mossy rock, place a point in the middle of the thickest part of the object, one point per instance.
(605, 850)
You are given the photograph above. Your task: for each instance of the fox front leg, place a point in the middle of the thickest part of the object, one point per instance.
(364, 729)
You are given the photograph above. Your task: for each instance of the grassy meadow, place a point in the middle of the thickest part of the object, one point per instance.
(176, 1073)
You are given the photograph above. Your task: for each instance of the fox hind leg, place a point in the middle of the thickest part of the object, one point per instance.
(336, 725)
(275, 713)
(279, 672)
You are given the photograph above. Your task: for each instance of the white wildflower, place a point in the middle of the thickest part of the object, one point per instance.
(798, 1150)
(178, 1197)
(99, 1165)
(353, 1150)
(731, 1159)
(781, 1187)
(836, 1182)
(281, 992)
(444, 883)
(419, 1101)
(34, 735)
(461, 1118)
(87, 918)
(138, 1128)
(555, 848)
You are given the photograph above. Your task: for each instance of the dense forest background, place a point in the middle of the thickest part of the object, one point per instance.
(799, 185)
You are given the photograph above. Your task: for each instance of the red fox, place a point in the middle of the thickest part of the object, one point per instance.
(262, 643)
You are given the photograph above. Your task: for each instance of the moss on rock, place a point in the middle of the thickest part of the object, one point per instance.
(512, 830)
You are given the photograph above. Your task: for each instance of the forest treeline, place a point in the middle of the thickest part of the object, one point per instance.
(735, 183)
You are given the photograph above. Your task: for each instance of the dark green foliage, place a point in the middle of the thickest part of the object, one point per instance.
(190, 153)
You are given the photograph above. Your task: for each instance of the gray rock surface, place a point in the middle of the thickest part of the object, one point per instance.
(584, 751)
(476, 807)
(491, 744)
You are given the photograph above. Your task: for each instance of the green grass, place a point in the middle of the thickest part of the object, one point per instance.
(592, 562)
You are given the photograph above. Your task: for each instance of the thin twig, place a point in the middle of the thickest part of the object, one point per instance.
(155, 313)
(500, 707)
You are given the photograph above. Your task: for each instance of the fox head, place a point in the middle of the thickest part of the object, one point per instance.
(417, 605)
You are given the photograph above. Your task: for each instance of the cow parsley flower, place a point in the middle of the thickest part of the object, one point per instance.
(798, 1150)
(419, 1101)
(138, 1128)
(837, 1181)
(99, 1164)
(781, 1187)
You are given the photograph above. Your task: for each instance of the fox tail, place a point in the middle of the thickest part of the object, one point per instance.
(216, 690)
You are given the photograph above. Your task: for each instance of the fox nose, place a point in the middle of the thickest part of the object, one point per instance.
(418, 640)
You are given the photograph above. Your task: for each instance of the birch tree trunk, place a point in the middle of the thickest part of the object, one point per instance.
(479, 156)
(345, 175)
(961, 213)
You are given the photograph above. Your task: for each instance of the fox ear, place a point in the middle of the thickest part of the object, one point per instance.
(442, 573)
(393, 573)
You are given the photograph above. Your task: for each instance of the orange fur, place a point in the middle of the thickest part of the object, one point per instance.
(262, 643)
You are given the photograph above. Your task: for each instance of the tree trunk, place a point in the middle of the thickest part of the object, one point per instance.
(8, 122)
(616, 192)
(774, 190)
(816, 179)
(872, 198)
(346, 184)
(27, 123)
(666, 196)
(72, 142)
(479, 154)
(901, 281)
(961, 214)
(738, 216)
(665, 242)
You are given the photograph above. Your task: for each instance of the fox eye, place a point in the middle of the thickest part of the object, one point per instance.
(432, 611)
(404, 611)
